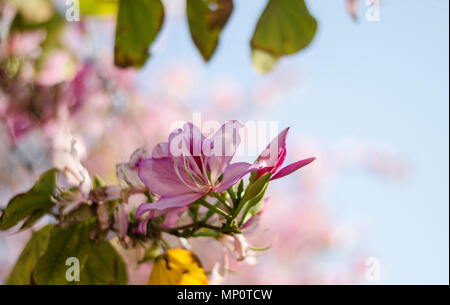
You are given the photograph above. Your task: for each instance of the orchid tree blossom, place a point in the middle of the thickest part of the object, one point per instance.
(190, 166)
(275, 154)
(67, 154)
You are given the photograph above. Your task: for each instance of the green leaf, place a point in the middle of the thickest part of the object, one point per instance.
(37, 201)
(256, 188)
(240, 190)
(30, 221)
(104, 266)
(35, 248)
(98, 7)
(254, 206)
(72, 242)
(98, 182)
(206, 20)
(138, 24)
(284, 28)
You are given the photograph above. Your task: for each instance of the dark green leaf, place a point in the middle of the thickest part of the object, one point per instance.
(35, 216)
(72, 242)
(104, 266)
(37, 201)
(35, 248)
(206, 20)
(285, 27)
(138, 24)
(240, 190)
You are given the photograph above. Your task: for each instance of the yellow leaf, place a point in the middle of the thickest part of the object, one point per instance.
(177, 267)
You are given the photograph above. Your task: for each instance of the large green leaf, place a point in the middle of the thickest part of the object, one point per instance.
(36, 247)
(285, 27)
(206, 20)
(138, 24)
(36, 201)
(72, 242)
(104, 266)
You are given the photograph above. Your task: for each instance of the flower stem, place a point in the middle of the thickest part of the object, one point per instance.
(206, 204)
(194, 226)
(223, 200)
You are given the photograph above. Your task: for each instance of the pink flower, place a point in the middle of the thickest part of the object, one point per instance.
(189, 166)
(275, 154)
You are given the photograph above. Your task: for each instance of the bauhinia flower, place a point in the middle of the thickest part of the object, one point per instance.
(67, 153)
(275, 154)
(190, 166)
(127, 172)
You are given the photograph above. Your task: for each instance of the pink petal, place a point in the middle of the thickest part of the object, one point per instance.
(137, 156)
(186, 145)
(172, 216)
(142, 227)
(234, 173)
(161, 177)
(274, 169)
(172, 202)
(274, 151)
(221, 147)
(142, 209)
(161, 150)
(292, 168)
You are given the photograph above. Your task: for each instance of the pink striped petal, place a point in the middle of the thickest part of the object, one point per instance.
(234, 173)
(174, 201)
(221, 147)
(274, 151)
(161, 177)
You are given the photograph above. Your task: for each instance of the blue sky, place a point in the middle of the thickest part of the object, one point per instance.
(383, 82)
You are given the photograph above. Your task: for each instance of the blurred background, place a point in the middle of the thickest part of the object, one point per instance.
(368, 98)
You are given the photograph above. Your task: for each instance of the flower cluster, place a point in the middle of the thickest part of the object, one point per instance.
(190, 170)
(186, 187)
